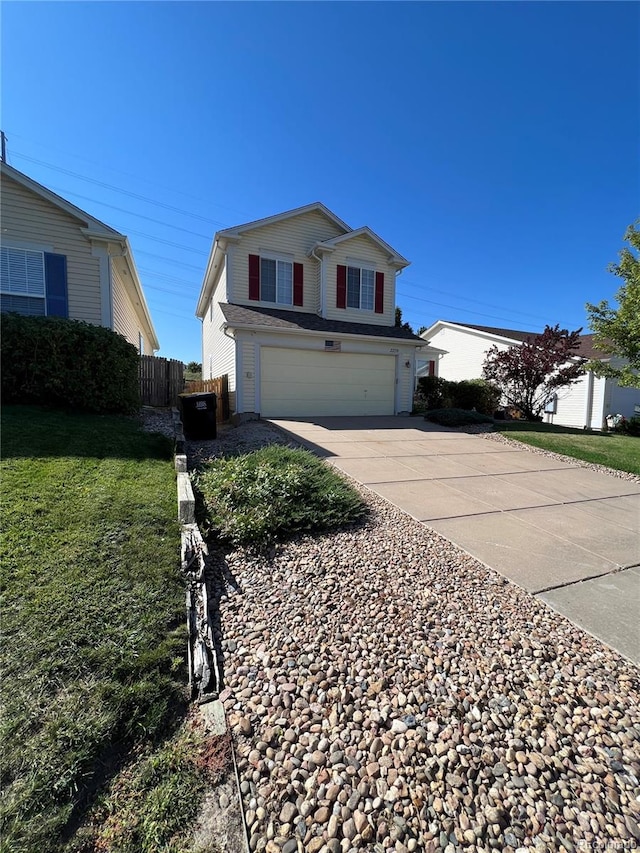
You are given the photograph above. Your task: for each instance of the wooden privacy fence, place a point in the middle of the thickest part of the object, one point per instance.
(161, 380)
(218, 386)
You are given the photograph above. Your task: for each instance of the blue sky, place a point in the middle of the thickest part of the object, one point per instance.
(495, 145)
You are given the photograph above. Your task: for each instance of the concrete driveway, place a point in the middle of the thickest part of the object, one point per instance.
(563, 532)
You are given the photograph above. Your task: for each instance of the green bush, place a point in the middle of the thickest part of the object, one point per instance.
(67, 363)
(254, 499)
(456, 417)
(629, 426)
(437, 393)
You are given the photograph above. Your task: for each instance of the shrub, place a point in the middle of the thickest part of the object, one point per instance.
(437, 393)
(457, 417)
(67, 363)
(476, 394)
(254, 499)
(628, 427)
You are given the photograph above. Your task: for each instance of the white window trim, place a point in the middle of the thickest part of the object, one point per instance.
(354, 263)
(36, 250)
(278, 257)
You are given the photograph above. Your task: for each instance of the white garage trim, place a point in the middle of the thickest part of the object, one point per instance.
(307, 383)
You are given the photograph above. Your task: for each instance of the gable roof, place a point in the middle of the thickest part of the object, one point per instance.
(96, 227)
(586, 349)
(394, 257)
(237, 230)
(241, 316)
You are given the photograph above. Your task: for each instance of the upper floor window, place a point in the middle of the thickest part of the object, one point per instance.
(22, 283)
(360, 288)
(276, 281)
(33, 282)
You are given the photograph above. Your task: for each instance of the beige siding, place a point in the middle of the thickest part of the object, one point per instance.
(218, 350)
(252, 344)
(361, 249)
(125, 320)
(28, 218)
(294, 237)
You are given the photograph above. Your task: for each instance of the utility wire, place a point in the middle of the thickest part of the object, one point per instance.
(127, 174)
(130, 212)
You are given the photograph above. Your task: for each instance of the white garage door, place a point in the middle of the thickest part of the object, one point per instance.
(302, 383)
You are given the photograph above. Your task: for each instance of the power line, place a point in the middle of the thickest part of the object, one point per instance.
(170, 260)
(130, 212)
(118, 189)
(457, 308)
(153, 183)
(168, 277)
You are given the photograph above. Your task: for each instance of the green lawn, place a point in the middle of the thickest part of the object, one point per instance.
(615, 451)
(93, 638)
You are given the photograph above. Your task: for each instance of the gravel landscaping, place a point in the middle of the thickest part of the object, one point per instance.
(386, 691)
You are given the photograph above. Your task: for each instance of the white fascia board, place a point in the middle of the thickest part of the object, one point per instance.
(129, 260)
(443, 324)
(90, 221)
(395, 258)
(214, 266)
(236, 230)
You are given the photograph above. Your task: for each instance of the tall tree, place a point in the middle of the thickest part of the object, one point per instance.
(399, 322)
(528, 374)
(617, 331)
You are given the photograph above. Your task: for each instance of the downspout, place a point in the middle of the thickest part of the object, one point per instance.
(588, 414)
(239, 389)
(323, 289)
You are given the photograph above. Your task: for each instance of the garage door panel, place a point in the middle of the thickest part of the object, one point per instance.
(306, 383)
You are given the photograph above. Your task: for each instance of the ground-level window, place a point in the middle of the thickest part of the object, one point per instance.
(360, 288)
(33, 282)
(22, 281)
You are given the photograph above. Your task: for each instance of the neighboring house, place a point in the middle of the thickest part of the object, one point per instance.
(585, 404)
(299, 309)
(58, 260)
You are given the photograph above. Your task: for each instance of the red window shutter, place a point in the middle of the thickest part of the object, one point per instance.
(379, 293)
(254, 277)
(298, 277)
(341, 287)
(432, 368)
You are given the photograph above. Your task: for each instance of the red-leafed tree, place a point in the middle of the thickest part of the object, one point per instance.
(528, 374)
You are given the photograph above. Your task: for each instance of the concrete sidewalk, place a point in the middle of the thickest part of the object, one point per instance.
(568, 534)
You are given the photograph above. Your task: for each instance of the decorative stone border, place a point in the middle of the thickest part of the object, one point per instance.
(205, 675)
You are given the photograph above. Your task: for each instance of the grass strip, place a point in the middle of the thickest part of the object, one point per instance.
(92, 649)
(621, 452)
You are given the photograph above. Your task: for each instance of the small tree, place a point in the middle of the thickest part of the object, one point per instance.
(528, 374)
(617, 332)
(194, 367)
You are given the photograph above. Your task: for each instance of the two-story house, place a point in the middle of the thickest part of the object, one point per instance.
(58, 260)
(299, 310)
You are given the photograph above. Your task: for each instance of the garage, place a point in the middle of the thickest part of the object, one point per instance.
(308, 383)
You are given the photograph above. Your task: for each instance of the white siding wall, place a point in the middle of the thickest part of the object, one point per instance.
(125, 320)
(27, 217)
(218, 350)
(623, 400)
(465, 354)
(571, 408)
(294, 237)
(361, 248)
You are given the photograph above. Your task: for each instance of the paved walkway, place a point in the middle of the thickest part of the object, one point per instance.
(568, 534)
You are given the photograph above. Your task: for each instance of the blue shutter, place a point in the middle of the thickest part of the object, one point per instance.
(55, 276)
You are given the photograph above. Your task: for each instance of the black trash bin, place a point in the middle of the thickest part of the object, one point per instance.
(199, 415)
